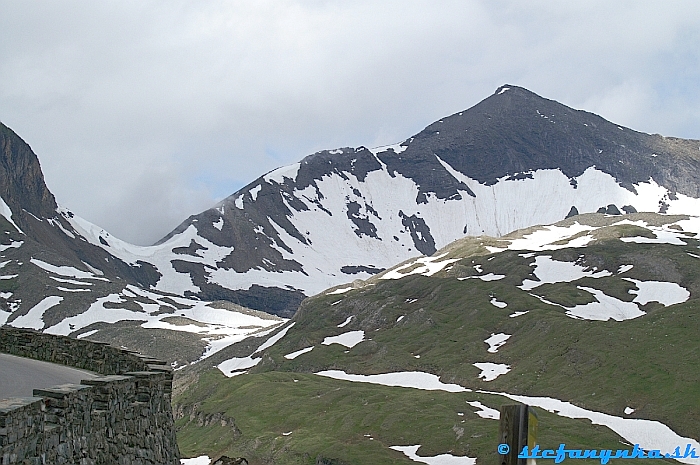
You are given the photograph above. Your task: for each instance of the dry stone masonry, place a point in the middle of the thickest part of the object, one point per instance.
(124, 417)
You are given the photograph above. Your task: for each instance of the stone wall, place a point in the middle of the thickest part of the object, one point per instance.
(78, 353)
(124, 417)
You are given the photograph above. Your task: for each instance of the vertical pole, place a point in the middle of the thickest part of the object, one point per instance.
(517, 429)
(513, 419)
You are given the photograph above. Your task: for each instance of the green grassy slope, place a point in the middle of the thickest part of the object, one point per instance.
(438, 324)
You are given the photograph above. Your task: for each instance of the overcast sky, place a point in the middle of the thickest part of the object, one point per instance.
(143, 113)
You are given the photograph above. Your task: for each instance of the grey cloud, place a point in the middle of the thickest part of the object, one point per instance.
(143, 113)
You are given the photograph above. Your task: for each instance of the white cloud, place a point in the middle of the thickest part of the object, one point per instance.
(178, 103)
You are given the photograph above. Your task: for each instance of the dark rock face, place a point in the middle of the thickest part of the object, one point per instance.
(610, 210)
(361, 269)
(515, 131)
(420, 233)
(192, 249)
(362, 220)
(35, 212)
(231, 461)
(21, 180)
(321, 460)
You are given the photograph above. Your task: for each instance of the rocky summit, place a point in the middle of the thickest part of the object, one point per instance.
(512, 161)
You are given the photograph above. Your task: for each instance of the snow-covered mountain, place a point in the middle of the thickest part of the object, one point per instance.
(53, 279)
(512, 161)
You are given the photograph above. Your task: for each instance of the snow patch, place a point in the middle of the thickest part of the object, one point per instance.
(428, 267)
(491, 371)
(543, 239)
(68, 271)
(342, 290)
(289, 172)
(70, 281)
(87, 334)
(34, 317)
(234, 366)
(442, 459)
(496, 341)
(662, 292)
(486, 277)
(349, 339)
(11, 245)
(237, 365)
(662, 237)
(65, 289)
(7, 213)
(397, 148)
(485, 412)
(496, 303)
(201, 460)
(58, 224)
(274, 339)
(219, 223)
(517, 314)
(624, 268)
(605, 308)
(218, 327)
(294, 355)
(409, 379)
(345, 323)
(550, 271)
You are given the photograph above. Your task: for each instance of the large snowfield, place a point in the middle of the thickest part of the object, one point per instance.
(333, 241)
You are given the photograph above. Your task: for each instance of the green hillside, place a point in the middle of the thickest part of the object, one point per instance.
(642, 269)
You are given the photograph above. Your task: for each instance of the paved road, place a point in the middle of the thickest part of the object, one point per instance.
(19, 376)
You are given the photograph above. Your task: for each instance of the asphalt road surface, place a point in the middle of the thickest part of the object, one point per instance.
(19, 375)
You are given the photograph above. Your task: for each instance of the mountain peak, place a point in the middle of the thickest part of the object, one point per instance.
(506, 87)
(22, 184)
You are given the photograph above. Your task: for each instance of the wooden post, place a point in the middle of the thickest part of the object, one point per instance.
(517, 429)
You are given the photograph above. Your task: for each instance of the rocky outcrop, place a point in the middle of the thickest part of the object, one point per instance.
(193, 414)
(224, 460)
